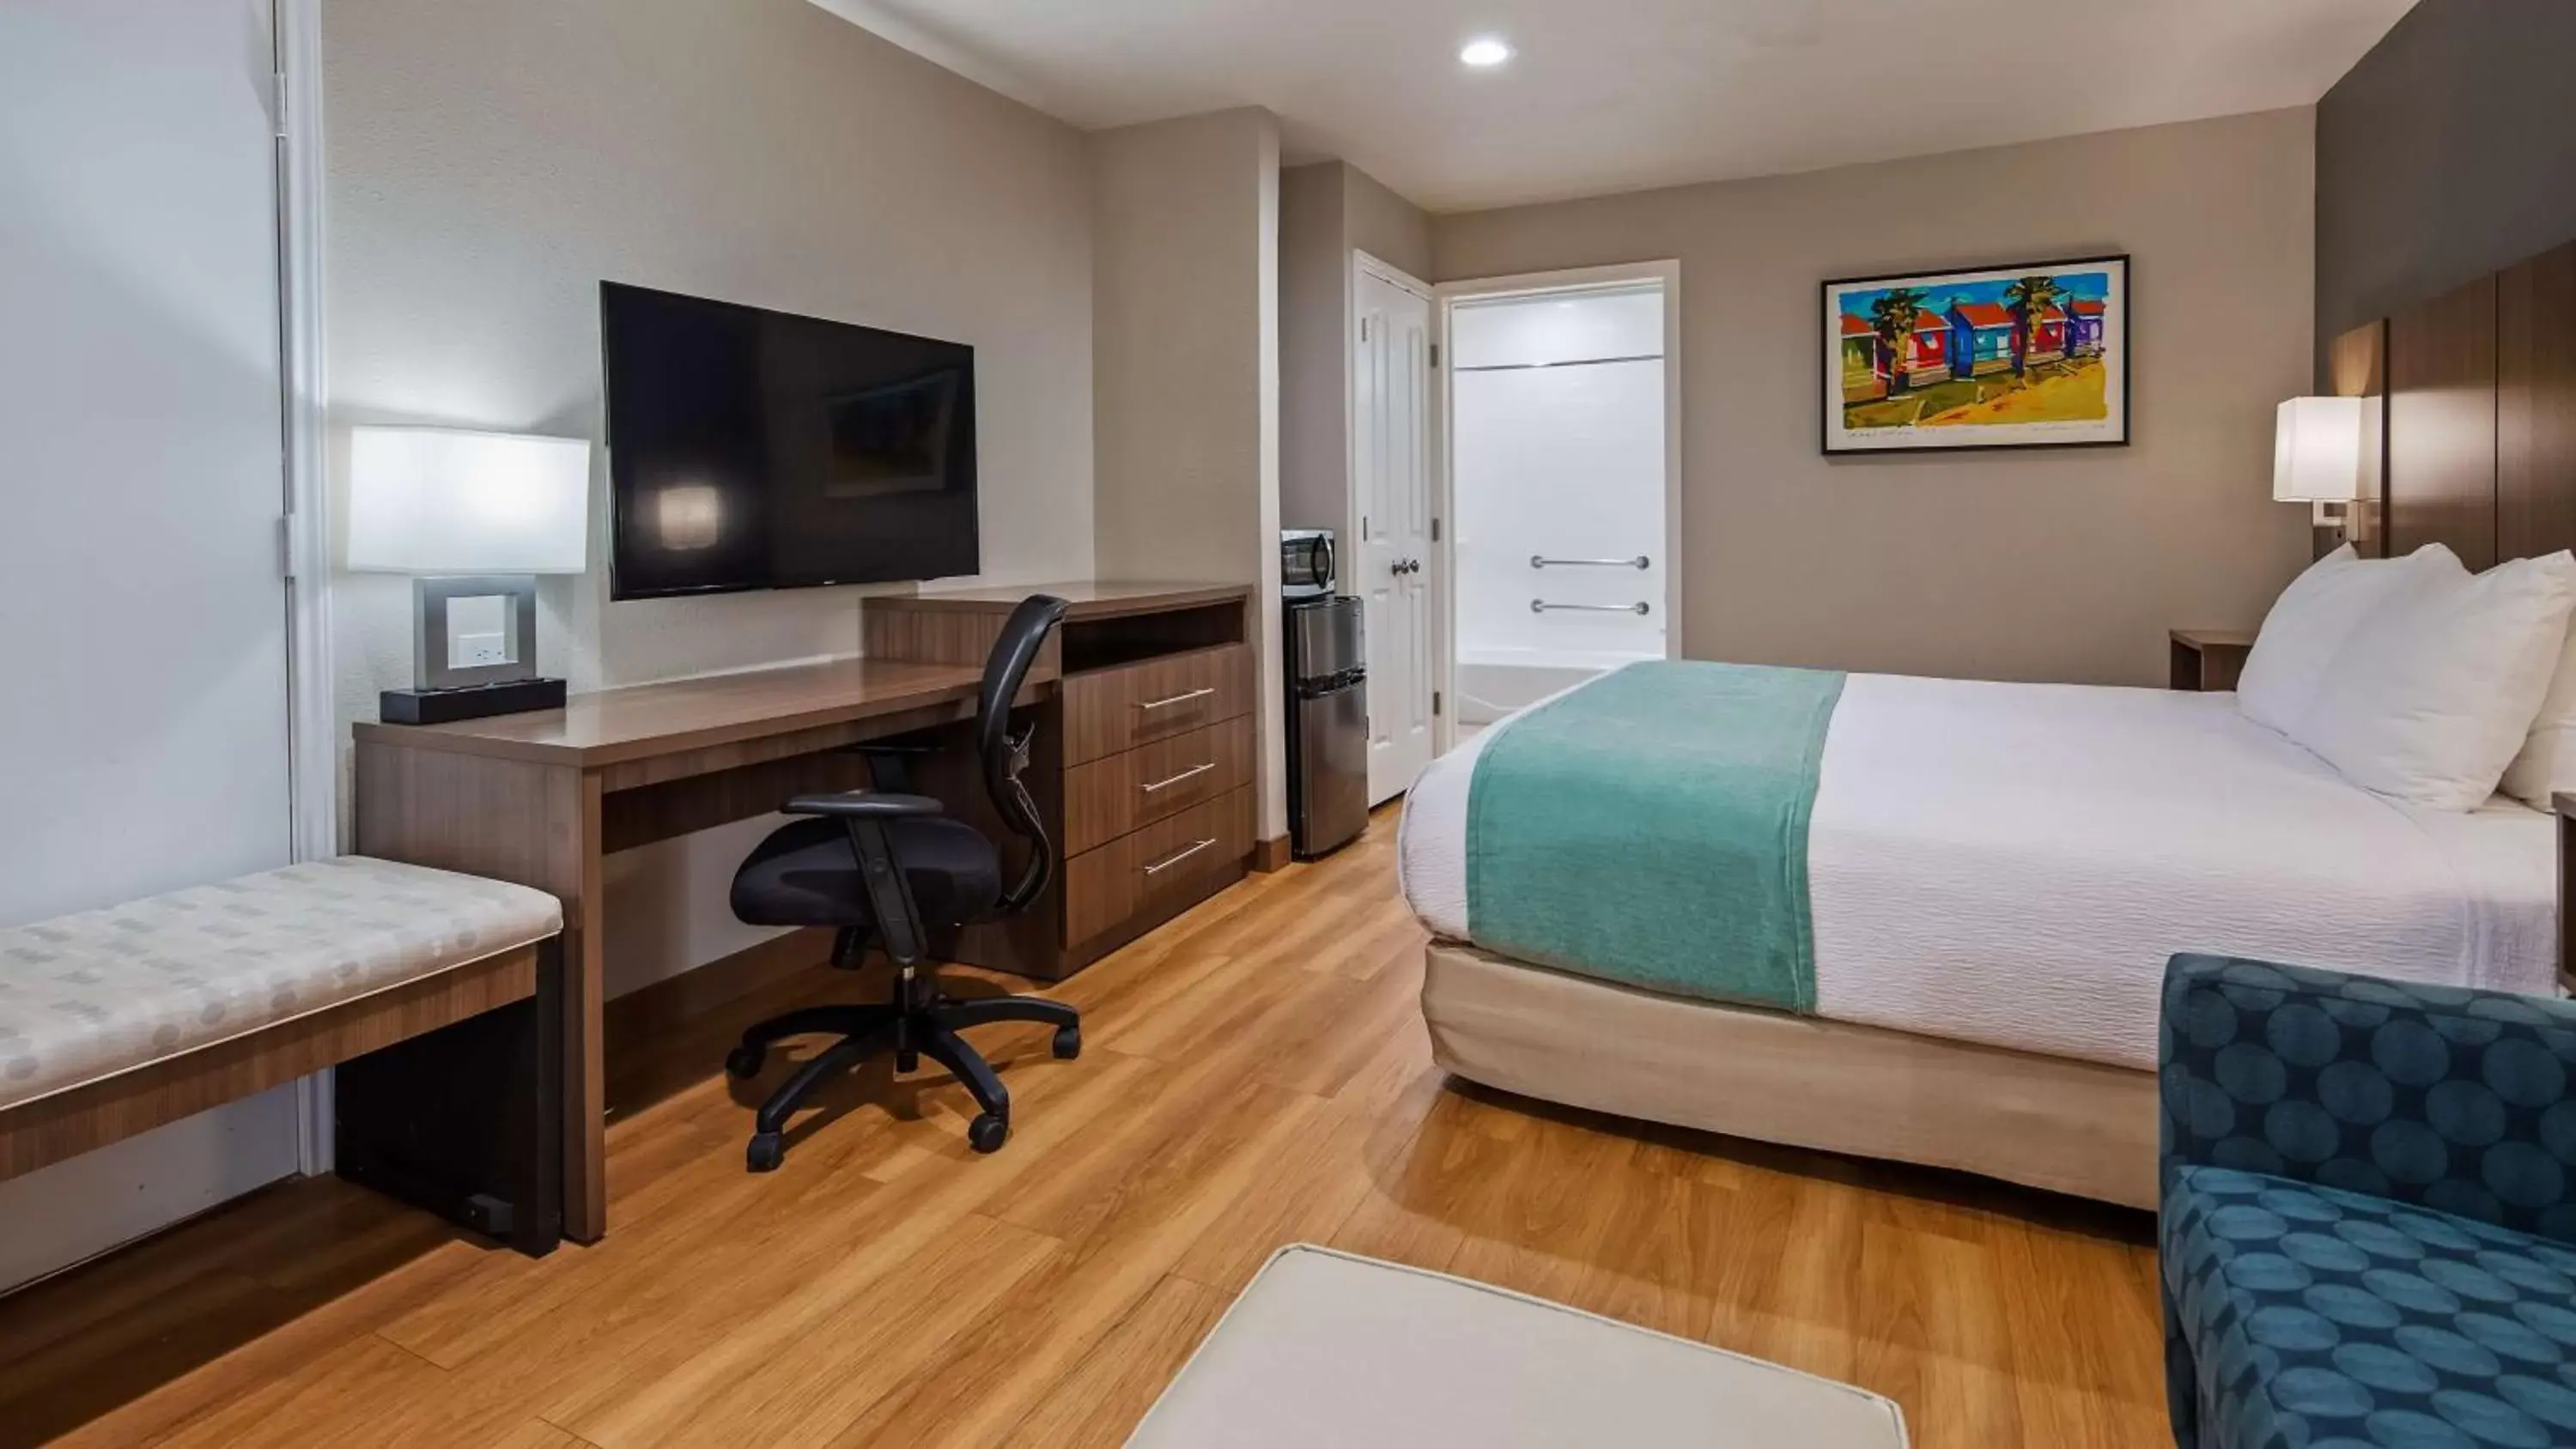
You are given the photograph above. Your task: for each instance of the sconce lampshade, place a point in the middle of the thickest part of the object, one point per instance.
(2317, 450)
(443, 501)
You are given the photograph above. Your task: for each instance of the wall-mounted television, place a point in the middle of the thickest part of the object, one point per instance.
(750, 449)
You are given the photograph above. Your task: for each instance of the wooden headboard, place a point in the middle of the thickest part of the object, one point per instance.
(2477, 411)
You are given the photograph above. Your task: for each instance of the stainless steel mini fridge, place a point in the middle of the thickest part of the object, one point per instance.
(1327, 725)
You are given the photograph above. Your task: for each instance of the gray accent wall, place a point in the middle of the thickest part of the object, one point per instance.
(2448, 152)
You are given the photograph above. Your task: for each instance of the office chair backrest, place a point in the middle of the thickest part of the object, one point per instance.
(1005, 754)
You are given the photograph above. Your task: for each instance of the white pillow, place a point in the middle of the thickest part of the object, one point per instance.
(2312, 619)
(2547, 763)
(2433, 694)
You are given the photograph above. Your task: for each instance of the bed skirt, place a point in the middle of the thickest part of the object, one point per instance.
(2048, 1122)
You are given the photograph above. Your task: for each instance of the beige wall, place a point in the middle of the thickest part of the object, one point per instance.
(1185, 358)
(1386, 226)
(1327, 210)
(2058, 565)
(490, 161)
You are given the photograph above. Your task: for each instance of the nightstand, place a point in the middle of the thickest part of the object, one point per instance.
(2207, 659)
(2565, 806)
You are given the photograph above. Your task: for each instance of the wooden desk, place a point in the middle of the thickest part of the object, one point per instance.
(541, 798)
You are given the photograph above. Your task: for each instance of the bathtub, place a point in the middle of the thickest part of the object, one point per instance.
(1494, 682)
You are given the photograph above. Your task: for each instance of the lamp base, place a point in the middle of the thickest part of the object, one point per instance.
(472, 701)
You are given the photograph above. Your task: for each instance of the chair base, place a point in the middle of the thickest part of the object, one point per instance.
(917, 1022)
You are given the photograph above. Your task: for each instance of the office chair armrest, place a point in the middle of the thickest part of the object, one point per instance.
(866, 805)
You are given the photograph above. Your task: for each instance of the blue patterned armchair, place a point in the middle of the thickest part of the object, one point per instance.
(2368, 1201)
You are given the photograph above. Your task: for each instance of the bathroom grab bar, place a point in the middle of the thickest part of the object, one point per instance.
(1542, 606)
(1540, 561)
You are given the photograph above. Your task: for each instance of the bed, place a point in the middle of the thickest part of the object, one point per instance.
(1994, 877)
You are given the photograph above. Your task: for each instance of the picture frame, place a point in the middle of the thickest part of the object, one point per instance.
(2023, 355)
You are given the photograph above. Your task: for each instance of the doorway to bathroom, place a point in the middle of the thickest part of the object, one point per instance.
(1561, 484)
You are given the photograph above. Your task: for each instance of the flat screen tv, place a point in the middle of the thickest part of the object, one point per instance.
(761, 450)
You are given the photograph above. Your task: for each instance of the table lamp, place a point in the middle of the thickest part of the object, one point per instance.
(2317, 447)
(474, 517)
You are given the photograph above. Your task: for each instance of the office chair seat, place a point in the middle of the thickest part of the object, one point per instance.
(805, 874)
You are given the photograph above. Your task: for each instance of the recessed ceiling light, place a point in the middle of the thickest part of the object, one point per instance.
(1484, 52)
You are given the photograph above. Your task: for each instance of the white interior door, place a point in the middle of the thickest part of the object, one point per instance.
(145, 653)
(1391, 488)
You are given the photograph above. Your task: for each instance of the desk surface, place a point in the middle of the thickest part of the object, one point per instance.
(641, 720)
(612, 726)
(1090, 598)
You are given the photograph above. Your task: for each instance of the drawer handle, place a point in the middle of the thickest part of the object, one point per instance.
(1184, 853)
(1188, 774)
(1178, 699)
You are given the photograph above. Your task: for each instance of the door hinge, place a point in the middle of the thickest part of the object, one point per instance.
(1435, 530)
(278, 101)
(1435, 704)
(1435, 354)
(286, 547)
(1364, 327)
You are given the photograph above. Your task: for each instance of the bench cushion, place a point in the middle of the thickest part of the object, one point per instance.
(86, 996)
(1328, 1349)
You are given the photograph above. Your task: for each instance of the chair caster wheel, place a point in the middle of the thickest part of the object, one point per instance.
(766, 1151)
(1068, 1042)
(987, 1133)
(743, 1062)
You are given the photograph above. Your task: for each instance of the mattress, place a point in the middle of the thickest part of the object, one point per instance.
(2011, 864)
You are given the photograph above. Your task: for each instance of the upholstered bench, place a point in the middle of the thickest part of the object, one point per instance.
(118, 1020)
(2368, 1206)
(1328, 1349)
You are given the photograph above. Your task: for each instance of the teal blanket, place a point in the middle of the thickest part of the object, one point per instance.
(1651, 828)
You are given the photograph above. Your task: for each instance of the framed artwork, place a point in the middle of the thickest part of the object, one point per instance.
(2028, 356)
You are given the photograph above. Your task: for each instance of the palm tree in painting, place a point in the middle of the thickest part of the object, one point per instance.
(1892, 316)
(2028, 298)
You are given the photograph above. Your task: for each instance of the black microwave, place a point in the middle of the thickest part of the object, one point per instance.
(1305, 562)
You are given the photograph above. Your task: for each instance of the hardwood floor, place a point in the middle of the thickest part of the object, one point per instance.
(1255, 1073)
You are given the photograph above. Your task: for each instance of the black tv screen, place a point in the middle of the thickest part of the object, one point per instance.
(750, 449)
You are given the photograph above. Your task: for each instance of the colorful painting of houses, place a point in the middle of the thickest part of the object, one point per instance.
(1920, 357)
(2028, 351)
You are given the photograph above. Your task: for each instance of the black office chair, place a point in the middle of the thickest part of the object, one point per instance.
(888, 864)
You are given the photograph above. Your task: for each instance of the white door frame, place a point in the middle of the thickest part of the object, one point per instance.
(313, 726)
(1444, 474)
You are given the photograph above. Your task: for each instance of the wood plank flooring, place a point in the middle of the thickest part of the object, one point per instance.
(1254, 1074)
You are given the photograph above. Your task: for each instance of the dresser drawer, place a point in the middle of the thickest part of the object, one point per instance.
(1108, 711)
(1109, 797)
(1158, 871)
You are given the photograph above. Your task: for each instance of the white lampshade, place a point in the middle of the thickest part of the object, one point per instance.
(442, 501)
(2317, 450)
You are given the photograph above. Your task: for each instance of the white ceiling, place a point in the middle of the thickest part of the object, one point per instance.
(1615, 95)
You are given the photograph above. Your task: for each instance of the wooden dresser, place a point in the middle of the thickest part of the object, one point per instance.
(1144, 761)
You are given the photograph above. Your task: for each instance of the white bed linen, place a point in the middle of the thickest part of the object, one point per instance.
(2012, 863)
